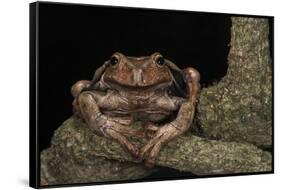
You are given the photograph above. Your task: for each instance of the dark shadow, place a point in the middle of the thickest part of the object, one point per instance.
(168, 173)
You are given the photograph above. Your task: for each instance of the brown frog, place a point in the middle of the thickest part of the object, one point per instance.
(150, 89)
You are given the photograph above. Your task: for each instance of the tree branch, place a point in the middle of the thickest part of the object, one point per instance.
(75, 141)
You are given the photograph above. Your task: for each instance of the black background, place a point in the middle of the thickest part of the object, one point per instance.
(74, 40)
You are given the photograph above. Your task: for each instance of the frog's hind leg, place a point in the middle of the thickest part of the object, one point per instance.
(102, 123)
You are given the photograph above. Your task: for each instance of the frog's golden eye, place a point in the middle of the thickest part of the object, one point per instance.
(160, 60)
(114, 60)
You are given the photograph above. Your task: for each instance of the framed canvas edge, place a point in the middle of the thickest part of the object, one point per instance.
(34, 160)
(34, 154)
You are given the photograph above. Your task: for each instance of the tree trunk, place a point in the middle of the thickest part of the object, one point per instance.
(239, 107)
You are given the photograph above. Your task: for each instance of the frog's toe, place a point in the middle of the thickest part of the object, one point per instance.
(150, 162)
(135, 154)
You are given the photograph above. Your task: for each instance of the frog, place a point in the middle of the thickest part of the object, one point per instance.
(126, 89)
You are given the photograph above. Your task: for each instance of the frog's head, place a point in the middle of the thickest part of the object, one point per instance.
(137, 71)
(147, 72)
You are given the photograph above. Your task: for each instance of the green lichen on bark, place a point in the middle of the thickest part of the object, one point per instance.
(239, 107)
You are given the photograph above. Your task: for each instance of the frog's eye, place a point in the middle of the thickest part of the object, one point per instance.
(160, 60)
(114, 60)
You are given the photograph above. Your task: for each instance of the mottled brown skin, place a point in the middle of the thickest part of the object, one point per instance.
(128, 89)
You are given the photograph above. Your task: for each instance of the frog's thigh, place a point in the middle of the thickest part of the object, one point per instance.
(89, 108)
(95, 119)
(90, 102)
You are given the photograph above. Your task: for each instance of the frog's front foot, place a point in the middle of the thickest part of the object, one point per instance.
(159, 138)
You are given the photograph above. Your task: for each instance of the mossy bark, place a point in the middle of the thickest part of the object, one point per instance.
(235, 116)
(61, 165)
(239, 107)
(72, 159)
(78, 155)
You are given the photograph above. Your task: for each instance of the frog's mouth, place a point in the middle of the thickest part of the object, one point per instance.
(137, 87)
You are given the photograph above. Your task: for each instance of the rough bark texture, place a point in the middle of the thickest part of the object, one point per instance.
(78, 155)
(239, 107)
(62, 165)
(72, 159)
(235, 116)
